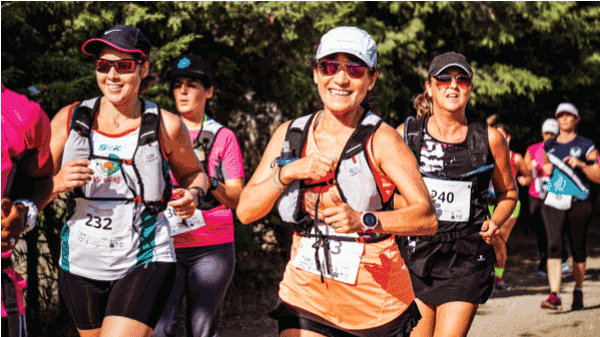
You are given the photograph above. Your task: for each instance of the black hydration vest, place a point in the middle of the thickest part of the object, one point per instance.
(203, 144)
(457, 248)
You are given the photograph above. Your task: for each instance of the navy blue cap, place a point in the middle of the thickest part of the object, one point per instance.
(121, 37)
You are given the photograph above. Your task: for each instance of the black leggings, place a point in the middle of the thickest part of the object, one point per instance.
(576, 221)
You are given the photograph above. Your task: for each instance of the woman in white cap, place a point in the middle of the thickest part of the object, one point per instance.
(452, 271)
(114, 153)
(332, 175)
(570, 161)
(534, 160)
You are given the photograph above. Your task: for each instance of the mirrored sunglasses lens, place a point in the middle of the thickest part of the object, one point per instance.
(444, 80)
(102, 66)
(356, 70)
(329, 68)
(124, 66)
(464, 82)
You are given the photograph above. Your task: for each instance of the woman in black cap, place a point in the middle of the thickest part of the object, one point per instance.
(114, 153)
(453, 271)
(204, 244)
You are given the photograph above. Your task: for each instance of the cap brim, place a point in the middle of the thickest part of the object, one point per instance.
(342, 50)
(453, 65)
(92, 47)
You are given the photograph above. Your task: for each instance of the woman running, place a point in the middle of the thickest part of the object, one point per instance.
(534, 161)
(345, 276)
(521, 174)
(114, 152)
(570, 161)
(205, 248)
(453, 271)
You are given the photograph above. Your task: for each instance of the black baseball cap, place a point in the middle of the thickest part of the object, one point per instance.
(192, 66)
(449, 59)
(121, 37)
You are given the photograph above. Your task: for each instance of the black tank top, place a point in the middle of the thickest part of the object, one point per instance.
(447, 161)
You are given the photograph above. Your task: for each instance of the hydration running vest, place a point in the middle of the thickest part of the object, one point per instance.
(202, 147)
(353, 177)
(430, 255)
(149, 184)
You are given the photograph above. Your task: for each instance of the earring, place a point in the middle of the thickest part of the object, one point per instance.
(369, 87)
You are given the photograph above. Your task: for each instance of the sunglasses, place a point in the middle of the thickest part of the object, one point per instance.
(121, 66)
(330, 67)
(444, 81)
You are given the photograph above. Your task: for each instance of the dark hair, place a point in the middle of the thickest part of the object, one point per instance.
(149, 80)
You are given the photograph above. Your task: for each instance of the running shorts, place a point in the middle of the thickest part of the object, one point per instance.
(291, 317)
(141, 295)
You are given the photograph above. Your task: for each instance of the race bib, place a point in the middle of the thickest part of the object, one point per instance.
(178, 226)
(559, 201)
(344, 257)
(451, 199)
(103, 224)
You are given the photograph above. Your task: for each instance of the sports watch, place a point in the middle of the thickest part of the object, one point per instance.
(201, 193)
(32, 212)
(214, 183)
(369, 221)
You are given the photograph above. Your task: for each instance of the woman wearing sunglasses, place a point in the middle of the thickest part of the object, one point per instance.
(332, 175)
(570, 161)
(114, 153)
(205, 254)
(453, 271)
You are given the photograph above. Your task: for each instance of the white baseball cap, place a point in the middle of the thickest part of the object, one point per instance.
(550, 125)
(351, 40)
(567, 107)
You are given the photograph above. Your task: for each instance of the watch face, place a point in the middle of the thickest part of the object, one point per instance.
(214, 183)
(370, 220)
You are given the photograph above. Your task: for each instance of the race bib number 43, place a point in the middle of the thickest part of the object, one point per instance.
(451, 198)
(344, 256)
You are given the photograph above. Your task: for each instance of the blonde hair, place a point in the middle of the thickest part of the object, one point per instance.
(424, 105)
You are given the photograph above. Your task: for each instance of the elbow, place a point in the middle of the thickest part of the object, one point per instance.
(243, 215)
(431, 224)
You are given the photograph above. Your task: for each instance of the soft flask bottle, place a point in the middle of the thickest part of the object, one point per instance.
(286, 155)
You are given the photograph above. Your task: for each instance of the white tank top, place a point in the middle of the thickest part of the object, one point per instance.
(105, 239)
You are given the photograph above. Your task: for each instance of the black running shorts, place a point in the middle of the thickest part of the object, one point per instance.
(140, 295)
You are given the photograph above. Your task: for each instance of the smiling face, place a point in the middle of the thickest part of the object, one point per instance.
(190, 96)
(339, 92)
(451, 98)
(118, 88)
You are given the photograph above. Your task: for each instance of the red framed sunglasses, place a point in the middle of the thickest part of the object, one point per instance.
(331, 67)
(121, 66)
(444, 81)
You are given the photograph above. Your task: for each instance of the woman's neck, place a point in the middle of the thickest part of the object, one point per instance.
(566, 136)
(194, 121)
(119, 114)
(338, 123)
(448, 126)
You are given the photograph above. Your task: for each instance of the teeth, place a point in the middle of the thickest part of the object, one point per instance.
(114, 87)
(339, 92)
(453, 96)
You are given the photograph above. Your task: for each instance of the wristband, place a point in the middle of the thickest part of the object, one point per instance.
(279, 178)
(277, 185)
(31, 214)
(201, 193)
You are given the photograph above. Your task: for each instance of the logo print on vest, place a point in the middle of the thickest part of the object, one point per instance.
(109, 167)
